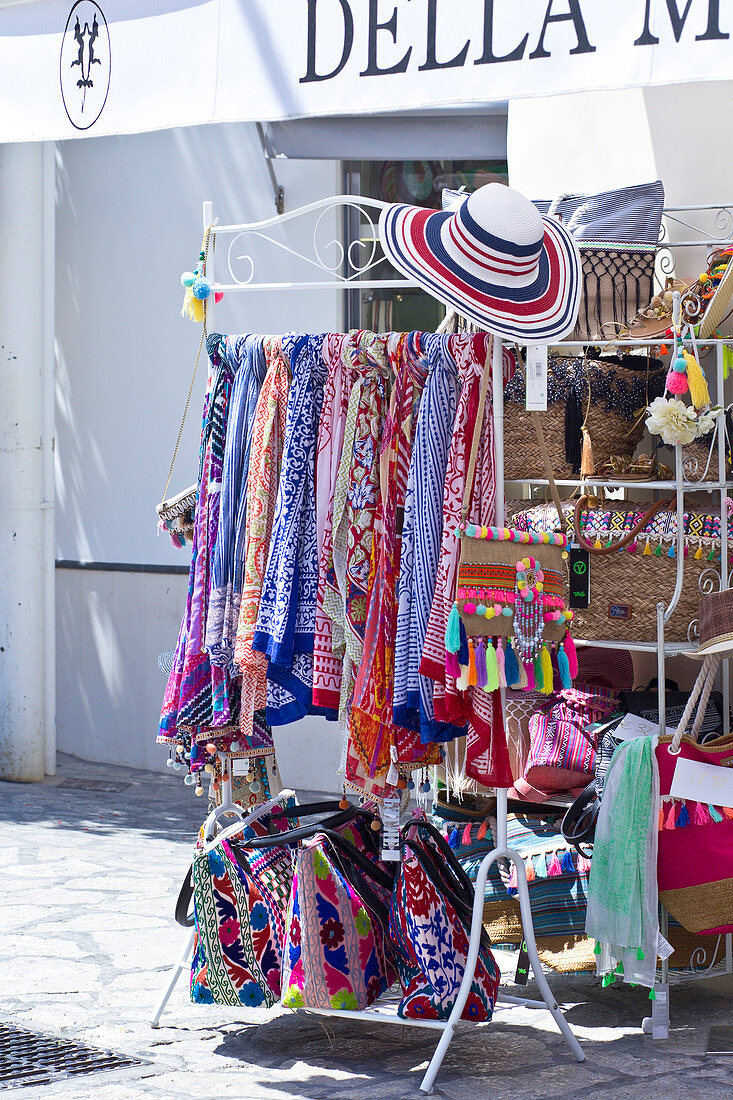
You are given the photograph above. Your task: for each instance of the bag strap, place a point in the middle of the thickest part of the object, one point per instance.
(436, 874)
(351, 852)
(701, 690)
(548, 470)
(627, 538)
(204, 333)
(579, 823)
(476, 439)
(184, 900)
(444, 849)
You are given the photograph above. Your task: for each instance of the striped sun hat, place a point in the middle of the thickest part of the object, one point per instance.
(495, 260)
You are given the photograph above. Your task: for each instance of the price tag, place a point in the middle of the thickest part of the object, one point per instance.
(536, 400)
(664, 947)
(240, 766)
(632, 726)
(702, 782)
(579, 570)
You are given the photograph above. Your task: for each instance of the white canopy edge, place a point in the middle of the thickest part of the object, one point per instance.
(130, 66)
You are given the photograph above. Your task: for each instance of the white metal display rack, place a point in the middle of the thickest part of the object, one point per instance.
(342, 268)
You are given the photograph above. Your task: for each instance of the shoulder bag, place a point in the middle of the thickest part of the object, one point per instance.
(510, 585)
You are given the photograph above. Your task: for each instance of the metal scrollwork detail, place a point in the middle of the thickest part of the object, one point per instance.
(709, 581)
(693, 631)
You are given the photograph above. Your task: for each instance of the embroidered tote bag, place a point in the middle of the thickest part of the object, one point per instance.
(695, 854)
(511, 585)
(562, 754)
(241, 893)
(239, 925)
(429, 925)
(337, 952)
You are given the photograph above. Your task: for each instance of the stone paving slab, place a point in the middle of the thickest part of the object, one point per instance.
(89, 883)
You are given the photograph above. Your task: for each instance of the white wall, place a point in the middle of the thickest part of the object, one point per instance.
(128, 223)
(593, 141)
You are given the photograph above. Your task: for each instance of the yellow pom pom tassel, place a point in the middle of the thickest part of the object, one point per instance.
(699, 393)
(698, 552)
(597, 544)
(647, 549)
(193, 308)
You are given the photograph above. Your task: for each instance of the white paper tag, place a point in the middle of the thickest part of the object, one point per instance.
(240, 766)
(664, 947)
(632, 726)
(536, 367)
(702, 782)
(391, 829)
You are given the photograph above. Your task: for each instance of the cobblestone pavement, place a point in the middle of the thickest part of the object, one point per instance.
(89, 879)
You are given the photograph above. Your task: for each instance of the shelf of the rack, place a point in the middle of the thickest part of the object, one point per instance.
(687, 486)
(672, 649)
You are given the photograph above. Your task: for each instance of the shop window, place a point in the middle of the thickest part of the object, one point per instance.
(421, 183)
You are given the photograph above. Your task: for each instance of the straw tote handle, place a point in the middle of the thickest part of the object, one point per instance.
(627, 538)
(477, 428)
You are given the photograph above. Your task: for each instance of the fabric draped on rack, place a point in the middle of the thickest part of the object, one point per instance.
(197, 697)
(327, 654)
(623, 909)
(246, 358)
(380, 744)
(331, 475)
(262, 482)
(421, 536)
(286, 617)
(487, 755)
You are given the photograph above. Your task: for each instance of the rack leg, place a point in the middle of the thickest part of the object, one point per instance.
(451, 1026)
(180, 965)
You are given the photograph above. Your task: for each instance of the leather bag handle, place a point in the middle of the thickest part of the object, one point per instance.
(627, 538)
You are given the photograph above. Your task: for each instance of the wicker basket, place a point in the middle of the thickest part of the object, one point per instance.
(617, 394)
(625, 586)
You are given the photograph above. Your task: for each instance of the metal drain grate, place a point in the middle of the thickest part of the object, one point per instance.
(107, 786)
(30, 1059)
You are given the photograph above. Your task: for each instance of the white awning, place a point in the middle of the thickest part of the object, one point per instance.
(451, 134)
(75, 68)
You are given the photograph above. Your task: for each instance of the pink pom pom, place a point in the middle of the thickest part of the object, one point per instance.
(469, 608)
(677, 383)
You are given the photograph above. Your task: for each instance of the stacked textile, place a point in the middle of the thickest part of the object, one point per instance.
(331, 477)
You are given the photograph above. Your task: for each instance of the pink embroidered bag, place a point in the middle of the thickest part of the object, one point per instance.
(562, 752)
(337, 951)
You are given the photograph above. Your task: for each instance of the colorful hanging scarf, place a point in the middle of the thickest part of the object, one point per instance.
(347, 559)
(376, 740)
(327, 664)
(488, 759)
(421, 538)
(623, 911)
(286, 617)
(264, 475)
(201, 696)
(247, 361)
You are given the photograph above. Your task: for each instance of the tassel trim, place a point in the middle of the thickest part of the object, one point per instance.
(682, 813)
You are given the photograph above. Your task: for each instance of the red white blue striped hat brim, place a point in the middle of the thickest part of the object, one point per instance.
(542, 310)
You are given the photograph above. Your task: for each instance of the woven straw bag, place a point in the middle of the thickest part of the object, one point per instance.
(695, 855)
(625, 584)
(585, 398)
(512, 591)
(617, 233)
